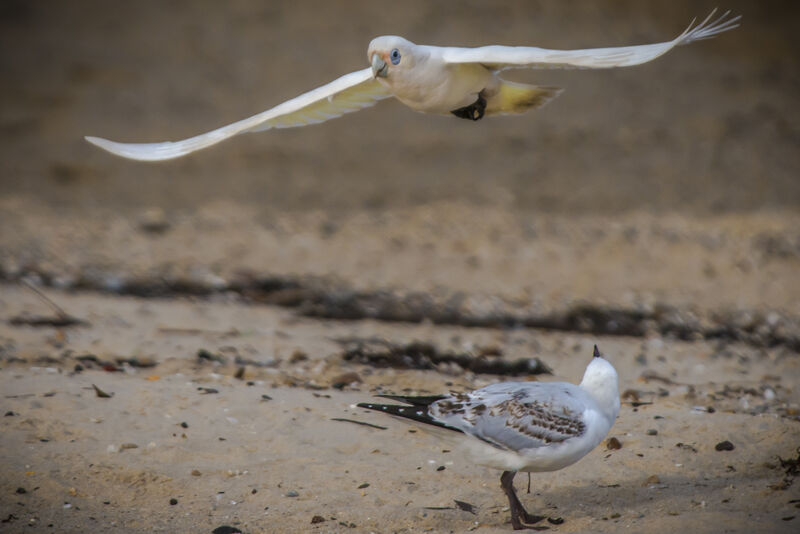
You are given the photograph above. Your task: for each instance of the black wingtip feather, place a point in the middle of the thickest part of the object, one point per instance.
(421, 400)
(596, 353)
(416, 413)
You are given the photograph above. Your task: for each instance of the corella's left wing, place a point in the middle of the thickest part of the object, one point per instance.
(506, 57)
(349, 93)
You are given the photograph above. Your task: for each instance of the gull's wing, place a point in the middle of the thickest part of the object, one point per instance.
(504, 57)
(351, 92)
(517, 415)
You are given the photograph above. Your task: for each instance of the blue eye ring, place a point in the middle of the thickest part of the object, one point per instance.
(395, 56)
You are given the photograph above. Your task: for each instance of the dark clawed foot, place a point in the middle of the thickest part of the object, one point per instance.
(472, 112)
(532, 519)
(522, 526)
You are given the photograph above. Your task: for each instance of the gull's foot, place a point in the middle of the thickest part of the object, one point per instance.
(522, 526)
(472, 112)
(532, 519)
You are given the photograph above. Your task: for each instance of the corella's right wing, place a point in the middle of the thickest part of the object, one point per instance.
(349, 93)
(515, 57)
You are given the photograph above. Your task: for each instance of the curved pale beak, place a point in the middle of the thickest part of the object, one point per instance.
(379, 66)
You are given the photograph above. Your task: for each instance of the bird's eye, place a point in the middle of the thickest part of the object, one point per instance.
(395, 56)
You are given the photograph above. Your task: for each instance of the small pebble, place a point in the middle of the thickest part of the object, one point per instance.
(185, 424)
(196, 473)
(364, 485)
(292, 493)
(21, 491)
(613, 444)
(128, 446)
(153, 220)
(173, 501)
(440, 468)
(652, 432)
(317, 519)
(652, 479)
(345, 379)
(724, 446)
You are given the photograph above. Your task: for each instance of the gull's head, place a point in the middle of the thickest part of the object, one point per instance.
(602, 382)
(389, 53)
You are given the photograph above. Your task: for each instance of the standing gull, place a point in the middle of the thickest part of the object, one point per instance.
(522, 426)
(464, 82)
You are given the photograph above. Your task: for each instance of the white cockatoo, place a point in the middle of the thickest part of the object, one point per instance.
(464, 82)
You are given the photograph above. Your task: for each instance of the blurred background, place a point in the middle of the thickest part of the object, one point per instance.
(672, 182)
(708, 128)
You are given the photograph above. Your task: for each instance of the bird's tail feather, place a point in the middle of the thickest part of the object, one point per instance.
(417, 412)
(516, 98)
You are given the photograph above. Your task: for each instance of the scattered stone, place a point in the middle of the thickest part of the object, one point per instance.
(239, 375)
(613, 444)
(9, 414)
(184, 424)
(791, 467)
(298, 356)
(225, 529)
(153, 221)
(173, 501)
(100, 393)
(555, 520)
(685, 446)
(266, 398)
(21, 491)
(440, 468)
(652, 432)
(142, 362)
(467, 507)
(317, 519)
(206, 355)
(207, 391)
(196, 473)
(292, 493)
(128, 446)
(724, 446)
(345, 379)
(651, 480)
(364, 485)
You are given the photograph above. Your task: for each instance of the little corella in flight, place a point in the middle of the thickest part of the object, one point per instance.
(464, 82)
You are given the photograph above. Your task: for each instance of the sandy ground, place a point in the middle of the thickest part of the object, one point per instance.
(67, 447)
(652, 211)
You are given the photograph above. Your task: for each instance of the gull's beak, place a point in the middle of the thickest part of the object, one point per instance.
(379, 66)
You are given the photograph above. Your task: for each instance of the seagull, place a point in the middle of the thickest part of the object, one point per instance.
(464, 82)
(521, 426)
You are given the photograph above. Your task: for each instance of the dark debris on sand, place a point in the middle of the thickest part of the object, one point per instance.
(420, 355)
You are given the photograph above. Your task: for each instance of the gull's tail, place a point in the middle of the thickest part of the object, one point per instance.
(514, 98)
(417, 411)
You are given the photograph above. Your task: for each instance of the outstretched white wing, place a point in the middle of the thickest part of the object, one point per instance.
(505, 57)
(349, 93)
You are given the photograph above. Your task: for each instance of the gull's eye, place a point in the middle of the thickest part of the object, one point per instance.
(395, 56)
